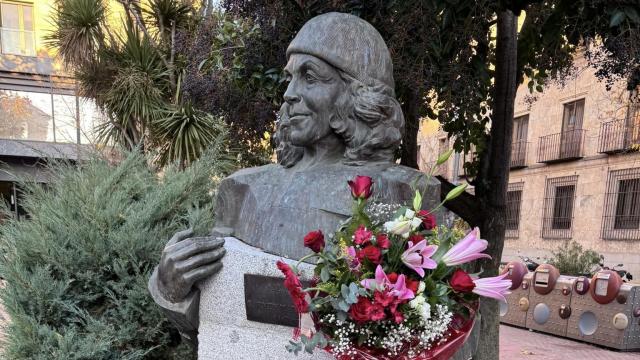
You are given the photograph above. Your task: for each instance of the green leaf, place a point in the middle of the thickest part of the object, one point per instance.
(454, 193)
(617, 18)
(417, 201)
(444, 157)
(325, 274)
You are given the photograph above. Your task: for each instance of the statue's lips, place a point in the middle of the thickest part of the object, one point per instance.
(297, 118)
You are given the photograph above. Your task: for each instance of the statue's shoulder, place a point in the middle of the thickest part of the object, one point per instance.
(255, 173)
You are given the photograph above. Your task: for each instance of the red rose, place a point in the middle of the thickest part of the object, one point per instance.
(461, 281)
(359, 311)
(372, 253)
(415, 238)
(393, 277)
(383, 241)
(362, 236)
(361, 187)
(412, 285)
(428, 219)
(314, 241)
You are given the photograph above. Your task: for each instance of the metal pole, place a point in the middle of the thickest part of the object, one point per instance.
(77, 115)
(53, 112)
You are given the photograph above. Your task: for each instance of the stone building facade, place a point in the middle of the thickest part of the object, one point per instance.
(575, 174)
(41, 114)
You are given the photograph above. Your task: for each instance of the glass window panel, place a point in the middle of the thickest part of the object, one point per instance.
(64, 107)
(27, 18)
(10, 16)
(90, 118)
(25, 115)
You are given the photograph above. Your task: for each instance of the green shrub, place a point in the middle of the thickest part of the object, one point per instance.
(572, 259)
(76, 272)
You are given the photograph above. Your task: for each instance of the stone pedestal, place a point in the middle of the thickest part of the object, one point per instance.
(226, 334)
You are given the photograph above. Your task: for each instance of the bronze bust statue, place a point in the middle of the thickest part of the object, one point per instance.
(340, 118)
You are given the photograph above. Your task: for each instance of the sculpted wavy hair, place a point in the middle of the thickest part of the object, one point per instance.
(368, 118)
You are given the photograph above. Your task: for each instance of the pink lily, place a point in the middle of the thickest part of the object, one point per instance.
(418, 257)
(400, 289)
(493, 287)
(468, 249)
(380, 282)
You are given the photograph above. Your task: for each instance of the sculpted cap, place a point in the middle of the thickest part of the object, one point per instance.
(349, 44)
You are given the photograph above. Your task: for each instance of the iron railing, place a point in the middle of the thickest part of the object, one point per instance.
(519, 154)
(621, 215)
(617, 136)
(559, 197)
(514, 202)
(564, 146)
(18, 42)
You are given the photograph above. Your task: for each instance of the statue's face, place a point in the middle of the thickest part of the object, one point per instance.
(311, 97)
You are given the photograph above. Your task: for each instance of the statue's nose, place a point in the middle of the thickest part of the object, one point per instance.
(291, 95)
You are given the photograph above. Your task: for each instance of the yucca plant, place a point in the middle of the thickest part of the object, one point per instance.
(132, 71)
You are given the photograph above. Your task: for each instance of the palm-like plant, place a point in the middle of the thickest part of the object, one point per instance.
(132, 72)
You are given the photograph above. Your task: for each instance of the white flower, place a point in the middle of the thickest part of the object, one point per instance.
(415, 222)
(417, 301)
(398, 227)
(403, 224)
(421, 287)
(425, 311)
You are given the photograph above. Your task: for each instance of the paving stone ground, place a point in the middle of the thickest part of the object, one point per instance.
(522, 344)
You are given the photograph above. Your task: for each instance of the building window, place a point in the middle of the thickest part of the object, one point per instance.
(16, 24)
(61, 118)
(558, 207)
(514, 202)
(621, 219)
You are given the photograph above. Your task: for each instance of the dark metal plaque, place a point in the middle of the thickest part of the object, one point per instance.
(267, 301)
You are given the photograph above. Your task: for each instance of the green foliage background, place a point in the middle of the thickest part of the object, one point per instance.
(572, 259)
(76, 272)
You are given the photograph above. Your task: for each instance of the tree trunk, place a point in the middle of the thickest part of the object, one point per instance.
(494, 173)
(409, 148)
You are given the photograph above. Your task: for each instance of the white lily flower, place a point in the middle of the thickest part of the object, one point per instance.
(398, 227)
(409, 214)
(415, 222)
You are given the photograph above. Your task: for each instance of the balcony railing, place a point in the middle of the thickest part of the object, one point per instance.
(519, 154)
(616, 136)
(564, 146)
(17, 42)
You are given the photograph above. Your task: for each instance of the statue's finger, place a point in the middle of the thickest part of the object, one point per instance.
(197, 246)
(201, 259)
(203, 272)
(179, 236)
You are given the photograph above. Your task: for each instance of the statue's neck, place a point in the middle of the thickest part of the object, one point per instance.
(328, 150)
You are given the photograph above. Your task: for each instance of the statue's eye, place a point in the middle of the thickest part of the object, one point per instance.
(309, 78)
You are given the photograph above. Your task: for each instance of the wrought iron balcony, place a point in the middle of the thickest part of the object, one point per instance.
(564, 146)
(519, 154)
(617, 136)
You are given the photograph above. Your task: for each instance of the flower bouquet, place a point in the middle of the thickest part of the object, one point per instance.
(390, 285)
